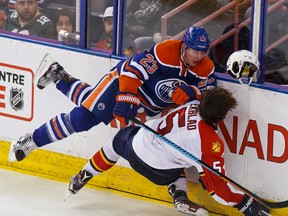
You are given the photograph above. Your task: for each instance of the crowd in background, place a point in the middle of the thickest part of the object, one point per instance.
(143, 27)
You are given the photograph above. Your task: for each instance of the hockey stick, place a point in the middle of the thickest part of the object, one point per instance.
(281, 204)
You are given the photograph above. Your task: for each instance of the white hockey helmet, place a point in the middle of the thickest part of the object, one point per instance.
(242, 63)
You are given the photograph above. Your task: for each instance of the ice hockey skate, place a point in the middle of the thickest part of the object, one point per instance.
(50, 71)
(79, 181)
(21, 148)
(183, 204)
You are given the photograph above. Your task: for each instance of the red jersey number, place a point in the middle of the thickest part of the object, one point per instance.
(169, 121)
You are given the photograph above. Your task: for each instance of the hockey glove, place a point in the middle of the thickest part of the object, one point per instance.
(250, 207)
(185, 93)
(126, 106)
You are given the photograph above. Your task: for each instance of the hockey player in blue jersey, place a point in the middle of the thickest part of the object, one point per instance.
(144, 80)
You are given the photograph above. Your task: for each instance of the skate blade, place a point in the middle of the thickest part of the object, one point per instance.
(46, 61)
(67, 196)
(199, 212)
(11, 155)
(265, 213)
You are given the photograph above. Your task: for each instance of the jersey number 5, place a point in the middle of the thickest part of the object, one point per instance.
(170, 121)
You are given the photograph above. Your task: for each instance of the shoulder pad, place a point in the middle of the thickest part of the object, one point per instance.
(168, 52)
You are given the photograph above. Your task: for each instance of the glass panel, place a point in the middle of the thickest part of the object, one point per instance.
(145, 27)
(229, 32)
(100, 28)
(277, 44)
(20, 17)
(63, 14)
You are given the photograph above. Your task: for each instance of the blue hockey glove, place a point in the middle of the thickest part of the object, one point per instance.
(184, 93)
(126, 106)
(250, 207)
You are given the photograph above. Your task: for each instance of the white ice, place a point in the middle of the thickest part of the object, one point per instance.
(27, 195)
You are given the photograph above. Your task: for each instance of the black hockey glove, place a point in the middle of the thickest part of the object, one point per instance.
(250, 207)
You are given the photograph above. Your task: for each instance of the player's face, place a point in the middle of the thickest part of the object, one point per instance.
(26, 9)
(108, 26)
(193, 57)
(64, 23)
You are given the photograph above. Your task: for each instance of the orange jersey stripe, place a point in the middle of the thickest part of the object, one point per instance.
(101, 87)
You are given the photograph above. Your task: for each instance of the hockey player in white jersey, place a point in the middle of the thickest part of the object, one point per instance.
(191, 127)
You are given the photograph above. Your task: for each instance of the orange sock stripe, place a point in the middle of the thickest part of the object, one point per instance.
(81, 86)
(89, 102)
(54, 123)
(100, 162)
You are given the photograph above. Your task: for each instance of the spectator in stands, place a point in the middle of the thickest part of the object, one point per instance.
(44, 5)
(2, 19)
(105, 41)
(141, 16)
(65, 23)
(3, 5)
(11, 6)
(29, 21)
(178, 23)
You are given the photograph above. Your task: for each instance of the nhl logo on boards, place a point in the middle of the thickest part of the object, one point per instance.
(16, 99)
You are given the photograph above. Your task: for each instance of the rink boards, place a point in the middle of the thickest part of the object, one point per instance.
(255, 134)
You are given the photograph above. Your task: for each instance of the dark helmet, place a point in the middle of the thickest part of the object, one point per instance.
(197, 38)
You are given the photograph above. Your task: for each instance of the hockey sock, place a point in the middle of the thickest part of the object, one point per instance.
(76, 90)
(180, 184)
(100, 162)
(63, 125)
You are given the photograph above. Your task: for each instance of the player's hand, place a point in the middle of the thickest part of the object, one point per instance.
(184, 93)
(250, 207)
(126, 106)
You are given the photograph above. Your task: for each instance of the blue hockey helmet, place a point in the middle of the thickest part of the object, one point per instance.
(197, 38)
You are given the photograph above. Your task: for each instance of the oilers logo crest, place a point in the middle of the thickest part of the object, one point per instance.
(16, 99)
(163, 88)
